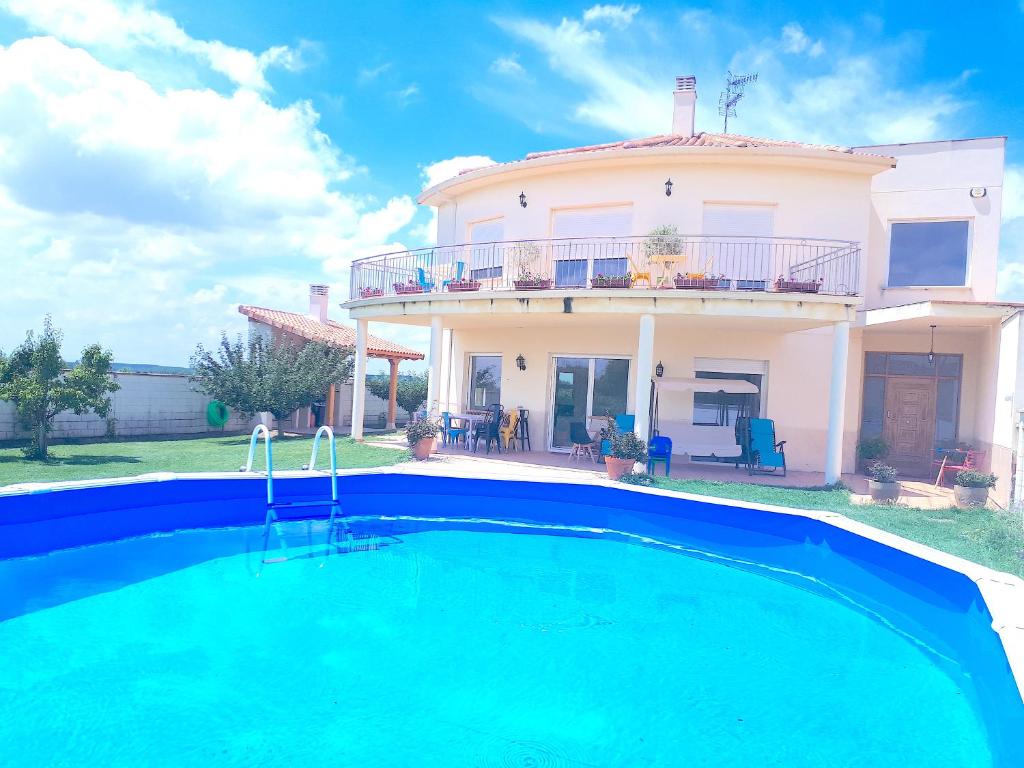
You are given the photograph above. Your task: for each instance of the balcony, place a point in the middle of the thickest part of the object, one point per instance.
(649, 263)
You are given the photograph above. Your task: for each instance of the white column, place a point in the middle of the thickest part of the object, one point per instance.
(644, 365)
(837, 402)
(359, 381)
(434, 380)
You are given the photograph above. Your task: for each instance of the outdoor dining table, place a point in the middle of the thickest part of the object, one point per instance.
(666, 262)
(470, 420)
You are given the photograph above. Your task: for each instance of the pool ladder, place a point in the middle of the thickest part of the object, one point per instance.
(336, 527)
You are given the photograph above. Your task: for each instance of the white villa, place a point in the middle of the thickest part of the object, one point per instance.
(847, 294)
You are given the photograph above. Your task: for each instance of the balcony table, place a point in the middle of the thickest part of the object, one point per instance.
(667, 262)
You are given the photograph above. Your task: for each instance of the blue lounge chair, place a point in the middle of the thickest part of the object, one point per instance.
(460, 266)
(765, 455)
(453, 434)
(659, 450)
(421, 278)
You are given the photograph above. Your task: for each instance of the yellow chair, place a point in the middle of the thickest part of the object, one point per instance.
(508, 427)
(639, 272)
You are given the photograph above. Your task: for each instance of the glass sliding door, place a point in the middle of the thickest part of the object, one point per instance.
(584, 387)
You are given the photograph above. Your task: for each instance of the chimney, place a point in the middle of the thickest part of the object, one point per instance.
(684, 102)
(318, 302)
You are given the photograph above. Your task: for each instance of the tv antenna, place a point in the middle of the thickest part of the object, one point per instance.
(734, 85)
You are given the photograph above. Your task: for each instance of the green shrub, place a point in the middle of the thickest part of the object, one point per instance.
(873, 449)
(972, 478)
(637, 478)
(882, 473)
(663, 241)
(418, 430)
(626, 445)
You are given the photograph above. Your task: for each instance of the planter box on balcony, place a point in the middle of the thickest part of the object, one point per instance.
(751, 285)
(611, 282)
(702, 283)
(369, 293)
(532, 285)
(797, 286)
(463, 286)
(407, 288)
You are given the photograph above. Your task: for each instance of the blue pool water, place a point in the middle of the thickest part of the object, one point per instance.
(462, 643)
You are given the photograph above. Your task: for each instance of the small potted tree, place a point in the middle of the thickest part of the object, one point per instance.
(870, 450)
(970, 487)
(882, 483)
(422, 437)
(626, 450)
(369, 293)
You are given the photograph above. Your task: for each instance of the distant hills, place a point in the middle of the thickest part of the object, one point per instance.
(148, 368)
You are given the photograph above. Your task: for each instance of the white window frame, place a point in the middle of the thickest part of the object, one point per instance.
(552, 384)
(929, 220)
(625, 205)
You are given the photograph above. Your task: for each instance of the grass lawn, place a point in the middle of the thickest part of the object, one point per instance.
(205, 454)
(984, 536)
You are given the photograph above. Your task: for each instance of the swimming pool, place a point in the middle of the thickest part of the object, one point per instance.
(482, 623)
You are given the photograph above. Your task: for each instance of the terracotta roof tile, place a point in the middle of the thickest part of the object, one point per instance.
(329, 332)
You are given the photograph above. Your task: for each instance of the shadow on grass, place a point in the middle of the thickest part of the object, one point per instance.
(72, 461)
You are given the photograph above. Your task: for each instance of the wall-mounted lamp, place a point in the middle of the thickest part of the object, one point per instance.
(659, 370)
(668, 188)
(521, 363)
(931, 349)
(522, 199)
(978, 191)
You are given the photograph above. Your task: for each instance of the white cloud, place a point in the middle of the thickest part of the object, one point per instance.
(435, 173)
(107, 24)
(507, 65)
(128, 211)
(1013, 192)
(369, 74)
(795, 40)
(408, 94)
(616, 15)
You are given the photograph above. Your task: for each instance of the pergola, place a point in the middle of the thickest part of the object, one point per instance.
(330, 332)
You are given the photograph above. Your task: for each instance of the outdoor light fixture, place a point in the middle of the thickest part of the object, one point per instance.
(931, 349)
(521, 363)
(522, 199)
(668, 188)
(978, 191)
(659, 370)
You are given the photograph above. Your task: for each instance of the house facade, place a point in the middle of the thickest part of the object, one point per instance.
(853, 290)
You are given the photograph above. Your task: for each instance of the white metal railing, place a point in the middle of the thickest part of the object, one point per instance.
(685, 261)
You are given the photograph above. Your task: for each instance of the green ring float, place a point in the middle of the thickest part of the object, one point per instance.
(217, 414)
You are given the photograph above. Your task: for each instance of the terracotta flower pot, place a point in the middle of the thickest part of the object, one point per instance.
(424, 447)
(616, 468)
(883, 493)
(970, 497)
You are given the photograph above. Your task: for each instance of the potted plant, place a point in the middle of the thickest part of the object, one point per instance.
(970, 487)
(663, 241)
(798, 286)
(369, 293)
(409, 287)
(700, 281)
(463, 285)
(528, 281)
(617, 281)
(422, 437)
(882, 483)
(870, 450)
(626, 450)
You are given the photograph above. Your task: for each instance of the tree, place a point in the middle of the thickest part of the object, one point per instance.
(276, 376)
(410, 392)
(35, 378)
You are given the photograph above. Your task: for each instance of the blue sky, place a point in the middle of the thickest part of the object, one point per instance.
(162, 162)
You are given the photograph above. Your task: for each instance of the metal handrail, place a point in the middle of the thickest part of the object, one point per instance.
(326, 430)
(262, 429)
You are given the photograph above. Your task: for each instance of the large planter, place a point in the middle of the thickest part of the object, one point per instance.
(407, 288)
(611, 282)
(797, 286)
(422, 448)
(616, 467)
(883, 493)
(532, 285)
(701, 283)
(370, 293)
(464, 286)
(751, 285)
(970, 497)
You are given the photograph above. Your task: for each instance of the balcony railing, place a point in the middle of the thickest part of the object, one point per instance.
(682, 262)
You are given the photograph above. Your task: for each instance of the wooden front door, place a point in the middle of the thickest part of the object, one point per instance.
(910, 422)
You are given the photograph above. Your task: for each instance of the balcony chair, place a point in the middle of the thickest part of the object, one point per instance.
(454, 433)
(421, 279)
(640, 273)
(488, 429)
(582, 442)
(972, 460)
(460, 267)
(659, 450)
(765, 455)
(624, 422)
(508, 428)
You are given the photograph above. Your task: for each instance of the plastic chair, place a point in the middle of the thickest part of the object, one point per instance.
(508, 428)
(488, 430)
(765, 454)
(421, 278)
(453, 432)
(460, 266)
(659, 450)
(640, 273)
(582, 442)
(972, 460)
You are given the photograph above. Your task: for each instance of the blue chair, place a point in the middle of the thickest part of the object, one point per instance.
(421, 278)
(453, 434)
(460, 267)
(659, 449)
(765, 455)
